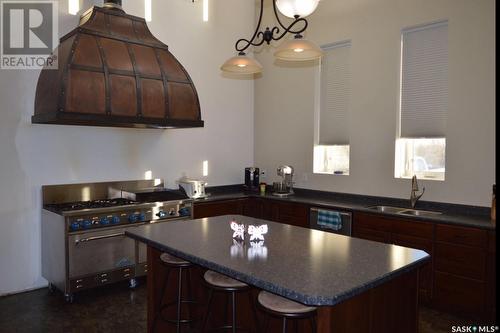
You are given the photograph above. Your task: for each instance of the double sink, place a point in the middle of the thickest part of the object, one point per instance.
(403, 211)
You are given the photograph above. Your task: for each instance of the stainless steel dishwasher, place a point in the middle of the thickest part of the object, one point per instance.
(342, 224)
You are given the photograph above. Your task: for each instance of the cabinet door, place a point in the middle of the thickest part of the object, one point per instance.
(293, 213)
(425, 271)
(459, 295)
(217, 208)
(372, 227)
(252, 207)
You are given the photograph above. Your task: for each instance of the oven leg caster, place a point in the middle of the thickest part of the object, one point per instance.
(69, 298)
(51, 288)
(132, 283)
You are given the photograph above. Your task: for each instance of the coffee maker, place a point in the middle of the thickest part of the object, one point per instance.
(252, 179)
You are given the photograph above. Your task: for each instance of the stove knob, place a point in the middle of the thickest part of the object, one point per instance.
(115, 220)
(87, 224)
(171, 212)
(104, 221)
(161, 214)
(75, 226)
(184, 211)
(132, 218)
(141, 217)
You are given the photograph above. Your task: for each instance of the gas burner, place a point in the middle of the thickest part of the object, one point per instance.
(103, 203)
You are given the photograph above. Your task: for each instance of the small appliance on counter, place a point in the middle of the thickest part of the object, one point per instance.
(252, 179)
(193, 188)
(285, 186)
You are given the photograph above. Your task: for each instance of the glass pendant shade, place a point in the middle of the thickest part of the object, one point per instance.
(241, 64)
(302, 8)
(298, 49)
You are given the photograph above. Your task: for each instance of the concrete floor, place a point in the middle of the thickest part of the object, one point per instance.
(117, 309)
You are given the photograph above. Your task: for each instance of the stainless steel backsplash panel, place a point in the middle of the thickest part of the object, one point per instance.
(54, 194)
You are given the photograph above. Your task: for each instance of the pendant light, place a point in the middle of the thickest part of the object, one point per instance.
(297, 49)
(292, 8)
(242, 64)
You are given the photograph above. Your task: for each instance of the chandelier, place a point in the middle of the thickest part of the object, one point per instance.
(296, 49)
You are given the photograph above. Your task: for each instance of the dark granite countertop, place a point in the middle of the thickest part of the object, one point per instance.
(310, 266)
(470, 216)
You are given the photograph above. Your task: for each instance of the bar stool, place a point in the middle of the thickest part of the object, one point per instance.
(221, 283)
(286, 309)
(173, 263)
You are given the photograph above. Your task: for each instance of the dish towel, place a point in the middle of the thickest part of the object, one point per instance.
(329, 220)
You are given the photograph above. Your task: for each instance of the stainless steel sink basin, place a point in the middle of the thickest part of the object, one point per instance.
(403, 211)
(387, 209)
(418, 212)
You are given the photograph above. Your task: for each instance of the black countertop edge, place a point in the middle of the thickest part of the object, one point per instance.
(455, 214)
(309, 300)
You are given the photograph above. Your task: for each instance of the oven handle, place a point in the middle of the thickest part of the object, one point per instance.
(89, 239)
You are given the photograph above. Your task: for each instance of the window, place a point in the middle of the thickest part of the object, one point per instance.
(421, 143)
(331, 149)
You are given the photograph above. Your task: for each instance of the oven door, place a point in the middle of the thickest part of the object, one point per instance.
(99, 251)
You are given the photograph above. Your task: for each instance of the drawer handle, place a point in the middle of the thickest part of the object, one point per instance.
(104, 280)
(126, 275)
(79, 286)
(104, 275)
(126, 270)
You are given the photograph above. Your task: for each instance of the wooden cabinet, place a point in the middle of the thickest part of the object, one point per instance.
(273, 210)
(461, 277)
(417, 235)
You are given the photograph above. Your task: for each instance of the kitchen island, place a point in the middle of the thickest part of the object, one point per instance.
(357, 285)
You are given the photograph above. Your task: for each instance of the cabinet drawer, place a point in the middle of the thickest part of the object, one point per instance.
(461, 235)
(458, 294)
(373, 222)
(411, 228)
(374, 235)
(413, 242)
(460, 260)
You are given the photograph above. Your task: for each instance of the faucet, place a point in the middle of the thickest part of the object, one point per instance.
(414, 189)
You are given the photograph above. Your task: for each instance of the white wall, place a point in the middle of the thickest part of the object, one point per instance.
(35, 155)
(284, 99)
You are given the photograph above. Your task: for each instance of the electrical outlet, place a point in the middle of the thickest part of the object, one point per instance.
(263, 174)
(305, 176)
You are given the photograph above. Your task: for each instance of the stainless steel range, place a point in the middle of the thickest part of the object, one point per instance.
(83, 230)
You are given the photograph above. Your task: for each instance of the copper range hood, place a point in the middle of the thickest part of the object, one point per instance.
(114, 72)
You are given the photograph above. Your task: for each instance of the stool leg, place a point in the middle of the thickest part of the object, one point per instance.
(284, 324)
(205, 320)
(233, 298)
(190, 296)
(296, 326)
(179, 293)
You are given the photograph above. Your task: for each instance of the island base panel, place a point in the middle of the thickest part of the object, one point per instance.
(389, 307)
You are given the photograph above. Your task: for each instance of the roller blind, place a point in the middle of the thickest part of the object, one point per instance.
(424, 81)
(335, 94)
